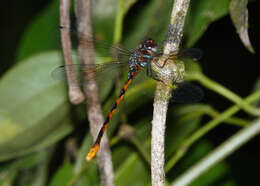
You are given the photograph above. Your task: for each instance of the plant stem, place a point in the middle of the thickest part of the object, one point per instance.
(119, 22)
(163, 93)
(76, 96)
(219, 154)
(95, 115)
(206, 128)
(212, 85)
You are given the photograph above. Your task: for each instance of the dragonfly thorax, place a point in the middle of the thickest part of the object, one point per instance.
(143, 54)
(149, 45)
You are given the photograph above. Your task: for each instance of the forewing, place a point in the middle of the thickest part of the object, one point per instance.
(103, 48)
(100, 72)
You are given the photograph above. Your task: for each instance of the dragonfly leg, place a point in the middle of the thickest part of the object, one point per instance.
(150, 72)
(161, 66)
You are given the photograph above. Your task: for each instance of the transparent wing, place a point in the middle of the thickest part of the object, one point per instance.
(187, 93)
(100, 72)
(190, 53)
(102, 47)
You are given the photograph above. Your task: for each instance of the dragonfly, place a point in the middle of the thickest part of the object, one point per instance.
(136, 60)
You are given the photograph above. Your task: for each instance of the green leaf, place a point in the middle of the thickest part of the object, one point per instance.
(104, 13)
(211, 177)
(132, 172)
(142, 92)
(215, 174)
(33, 107)
(239, 16)
(122, 8)
(29, 170)
(91, 174)
(63, 175)
(38, 36)
(202, 13)
(142, 128)
(191, 67)
(7, 175)
(182, 121)
(149, 21)
(128, 4)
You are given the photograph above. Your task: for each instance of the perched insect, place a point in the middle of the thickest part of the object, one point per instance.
(137, 60)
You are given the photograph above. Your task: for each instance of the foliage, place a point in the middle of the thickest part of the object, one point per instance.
(36, 117)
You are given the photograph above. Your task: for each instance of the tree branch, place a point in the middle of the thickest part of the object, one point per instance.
(163, 90)
(95, 116)
(219, 154)
(76, 96)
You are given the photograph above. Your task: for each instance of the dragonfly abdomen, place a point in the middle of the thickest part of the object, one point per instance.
(94, 149)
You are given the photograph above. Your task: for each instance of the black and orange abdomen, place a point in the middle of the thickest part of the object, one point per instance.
(94, 149)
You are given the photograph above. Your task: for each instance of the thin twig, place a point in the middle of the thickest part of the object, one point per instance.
(185, 145)
(76, 96)
(175, 29)
(212, 85)
(163, 92)
(221, 152)
(95, 116)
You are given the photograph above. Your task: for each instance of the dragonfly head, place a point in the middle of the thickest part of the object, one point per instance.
(149, 45)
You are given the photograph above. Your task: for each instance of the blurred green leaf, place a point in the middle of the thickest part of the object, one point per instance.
(201, 14)
(182, 121)
(31, 160)
(7, 175)
(33, 107)
(104, 13)
(9, 171)
(31, 170)
(122, 150)
(128, 4)
(132, 172)
(239, 16)
(142, 92)
(215, 174)
(211, 177)
(191, 67)
(38, 36)
(63, 175)
(122, 8)
(150, 20)
(91, 175)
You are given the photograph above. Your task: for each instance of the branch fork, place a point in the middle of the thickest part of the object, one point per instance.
(167, 75)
